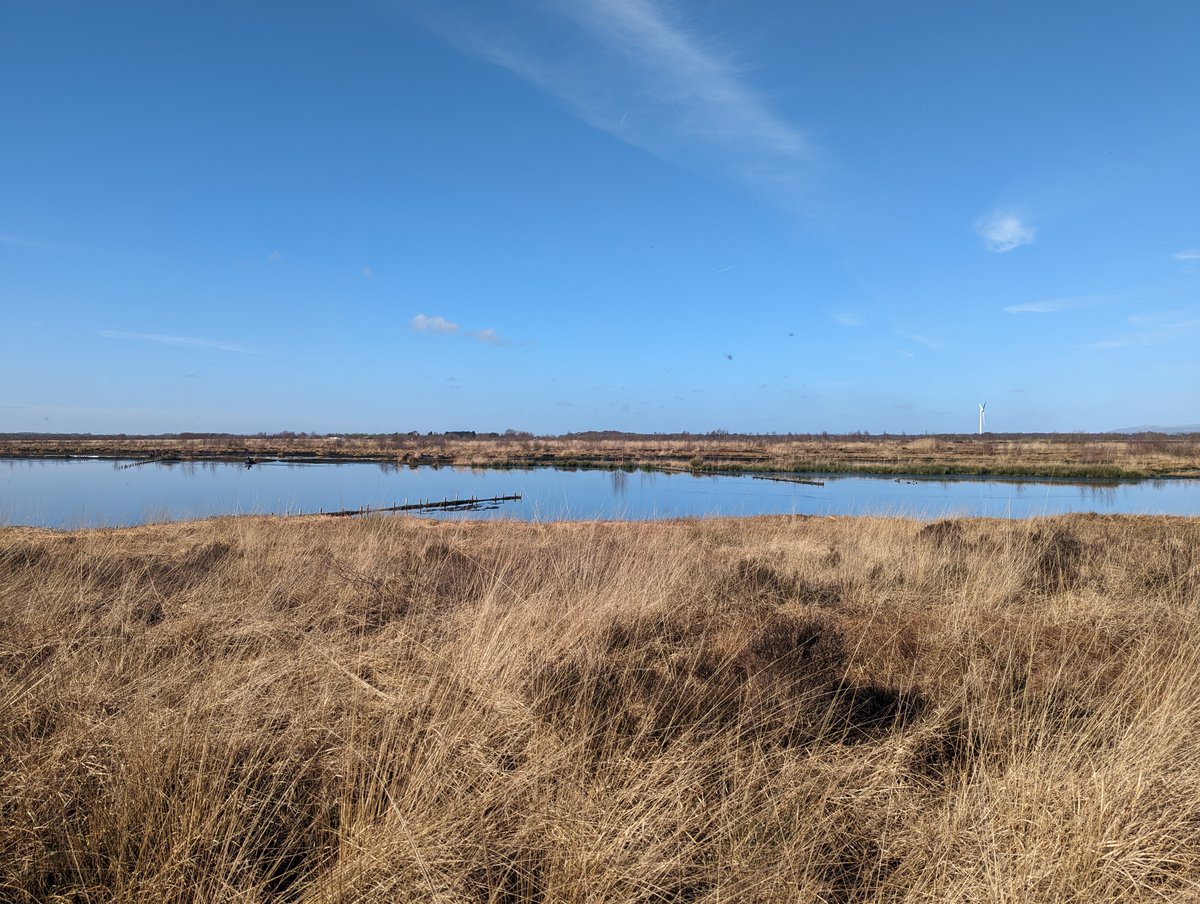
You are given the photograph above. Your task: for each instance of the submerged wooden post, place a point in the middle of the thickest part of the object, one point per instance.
(446, 504)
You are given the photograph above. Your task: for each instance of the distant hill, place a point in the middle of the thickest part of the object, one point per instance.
(1175, 428)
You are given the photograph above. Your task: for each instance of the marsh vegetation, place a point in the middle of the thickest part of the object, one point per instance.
(776, 709)
(1112, 456)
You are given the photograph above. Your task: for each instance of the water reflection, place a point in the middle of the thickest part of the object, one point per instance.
(1105, 496)
(620, 483)
(74, 493)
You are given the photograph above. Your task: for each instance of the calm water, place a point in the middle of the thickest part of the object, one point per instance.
(70, 494)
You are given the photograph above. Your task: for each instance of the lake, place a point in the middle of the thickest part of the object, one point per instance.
(90, 493)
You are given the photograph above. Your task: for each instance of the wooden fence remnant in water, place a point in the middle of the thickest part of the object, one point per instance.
(162, 459)
(804, 480)
(446, 505)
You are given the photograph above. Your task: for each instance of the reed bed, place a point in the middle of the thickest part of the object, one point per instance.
(1103, 456)
(774, 710)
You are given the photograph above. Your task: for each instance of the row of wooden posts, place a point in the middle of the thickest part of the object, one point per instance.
(445, 504)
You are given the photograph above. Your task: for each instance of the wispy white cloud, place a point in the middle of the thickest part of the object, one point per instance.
(489, 336)
(1057, 305)
(18, 242)
(931, 344)
(423, 323)
(190, 341)
(1163, 335)
(76, 409)
(1004, 230)
(1188, 254)
(635, 69)
(847, 318)
(1147, 319)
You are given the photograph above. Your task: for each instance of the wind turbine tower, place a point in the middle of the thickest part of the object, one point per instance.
(982, 405)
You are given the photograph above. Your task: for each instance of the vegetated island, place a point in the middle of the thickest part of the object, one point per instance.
(1057, 455)
(769, 710)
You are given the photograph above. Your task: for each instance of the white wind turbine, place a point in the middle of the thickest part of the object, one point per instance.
(982, 405)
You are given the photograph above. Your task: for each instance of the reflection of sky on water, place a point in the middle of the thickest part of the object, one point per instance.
(92, 492)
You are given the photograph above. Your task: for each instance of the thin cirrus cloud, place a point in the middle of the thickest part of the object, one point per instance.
(1188, 254)
(1160, 318)
(187, 341)
(1058, 305)
(1162, 335)
(423, 323)
(931, 344)
(18, 242)
(634, 69)
(1004, 230)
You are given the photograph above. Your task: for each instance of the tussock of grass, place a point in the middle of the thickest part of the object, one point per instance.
(764, 710)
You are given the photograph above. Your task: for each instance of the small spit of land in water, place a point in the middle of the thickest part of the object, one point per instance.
(772, 710)
(1111, 456)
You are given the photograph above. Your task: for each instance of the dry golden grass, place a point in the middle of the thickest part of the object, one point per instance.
(1066, 455)
(730, 710)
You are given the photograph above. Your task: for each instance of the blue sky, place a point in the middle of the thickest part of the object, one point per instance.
(626, 214)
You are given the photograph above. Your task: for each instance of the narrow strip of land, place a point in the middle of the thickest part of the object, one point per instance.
(1107, 456)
